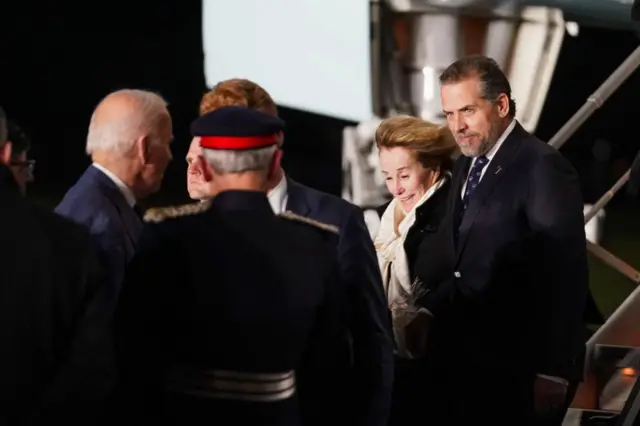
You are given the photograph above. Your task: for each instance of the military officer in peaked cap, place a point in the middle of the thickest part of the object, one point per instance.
(228, 312)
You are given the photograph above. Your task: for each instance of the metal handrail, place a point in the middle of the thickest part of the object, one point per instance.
(593, 103)
(597, 99)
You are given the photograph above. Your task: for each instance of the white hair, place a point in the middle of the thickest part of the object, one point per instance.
(224, 161)
(119, 135)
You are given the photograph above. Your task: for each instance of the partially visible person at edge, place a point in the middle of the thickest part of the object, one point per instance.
(369, 337)
(21, 166)
(509, 283)
(232, 271)
(416, 161)
(50, 275)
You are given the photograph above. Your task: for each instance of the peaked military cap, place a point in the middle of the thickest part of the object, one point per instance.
(237, 128)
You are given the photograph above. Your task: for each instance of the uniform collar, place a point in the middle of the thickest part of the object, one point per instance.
(242, 200)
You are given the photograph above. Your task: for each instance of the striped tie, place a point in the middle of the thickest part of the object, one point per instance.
(472, 181)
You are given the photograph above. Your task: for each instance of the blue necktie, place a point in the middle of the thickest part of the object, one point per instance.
(472, 182)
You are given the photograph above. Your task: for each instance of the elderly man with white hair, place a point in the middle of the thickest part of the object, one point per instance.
(128, 140)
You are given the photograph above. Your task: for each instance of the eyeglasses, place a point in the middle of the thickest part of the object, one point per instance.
(30, 165)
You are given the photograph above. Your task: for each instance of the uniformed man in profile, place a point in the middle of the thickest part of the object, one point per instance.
(228, 310)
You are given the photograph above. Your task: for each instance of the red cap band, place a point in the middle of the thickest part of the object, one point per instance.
(237, 142)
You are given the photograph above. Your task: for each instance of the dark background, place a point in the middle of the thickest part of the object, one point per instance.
(61, 59)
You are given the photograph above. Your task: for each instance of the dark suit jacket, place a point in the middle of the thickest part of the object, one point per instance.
(368, 315)
(47, 318)
(509, 292)
(422, 236)
(97, 203)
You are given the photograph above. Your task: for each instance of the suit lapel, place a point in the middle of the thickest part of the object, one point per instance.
(454, 201)
(495, 170)
(296, 198)
(459, 177)
(132, 223)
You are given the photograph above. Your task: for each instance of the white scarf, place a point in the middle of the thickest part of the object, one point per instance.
(390, 248)
(394, 265)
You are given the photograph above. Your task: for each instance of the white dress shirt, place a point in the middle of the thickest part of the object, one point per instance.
(126, 191)
(278, 196)
(491, 153)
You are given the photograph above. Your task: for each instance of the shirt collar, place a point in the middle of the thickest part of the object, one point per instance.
(492, 152)
(124, 189)
(278, 195)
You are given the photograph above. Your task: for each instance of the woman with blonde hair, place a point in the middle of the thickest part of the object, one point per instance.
(416, 161)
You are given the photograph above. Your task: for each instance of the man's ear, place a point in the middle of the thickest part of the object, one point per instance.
(207, 171)
(5, 152)
(503, 105)
(275, 164)
(143, 145)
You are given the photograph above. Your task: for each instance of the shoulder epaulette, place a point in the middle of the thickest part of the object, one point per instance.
(317, 224)
(158, 214)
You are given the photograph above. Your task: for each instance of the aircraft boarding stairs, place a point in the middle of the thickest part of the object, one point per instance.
(612, 386)
(610, 392)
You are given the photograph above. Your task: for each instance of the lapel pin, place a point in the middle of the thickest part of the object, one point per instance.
(498, 170)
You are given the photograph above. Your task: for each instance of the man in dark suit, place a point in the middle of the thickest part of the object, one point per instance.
(48, 321)
(128, 141)
(368, 317)
(509, 289)
(235, 298)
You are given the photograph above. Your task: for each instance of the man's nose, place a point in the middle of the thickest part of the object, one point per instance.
(455, 124)
(461, 126)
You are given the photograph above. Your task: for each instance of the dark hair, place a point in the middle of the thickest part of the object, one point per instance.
(3, 127)
(494, 82)
(19, 141)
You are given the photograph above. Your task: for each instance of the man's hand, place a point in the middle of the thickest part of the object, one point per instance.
(548, 395)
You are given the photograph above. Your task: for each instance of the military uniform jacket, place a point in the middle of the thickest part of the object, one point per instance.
(228, 311)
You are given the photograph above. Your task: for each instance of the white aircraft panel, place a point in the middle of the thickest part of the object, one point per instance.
(311, 55)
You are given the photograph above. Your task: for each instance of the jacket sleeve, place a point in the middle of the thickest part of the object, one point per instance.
(369, 321)
(554, 212)
(87, 372)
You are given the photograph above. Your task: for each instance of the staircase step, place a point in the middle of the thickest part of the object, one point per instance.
(577, 417)
(616, 369)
